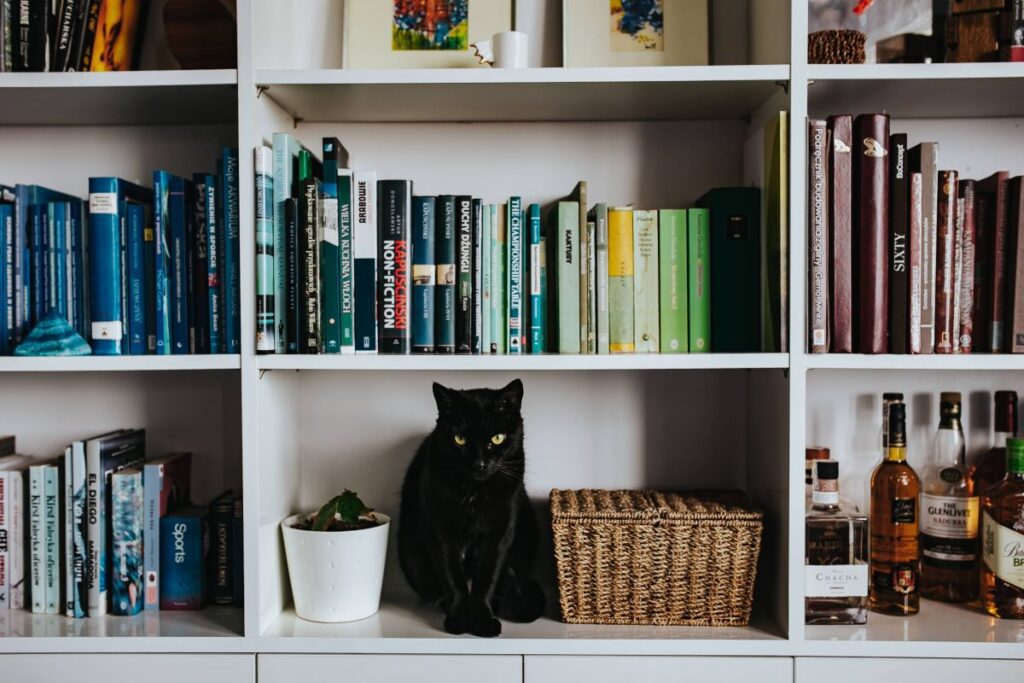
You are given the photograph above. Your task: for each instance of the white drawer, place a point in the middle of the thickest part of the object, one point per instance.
(854, 670)
(390, 669)
(598, 669)
(124, 668)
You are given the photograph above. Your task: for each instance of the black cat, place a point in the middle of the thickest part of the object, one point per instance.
(467, 534)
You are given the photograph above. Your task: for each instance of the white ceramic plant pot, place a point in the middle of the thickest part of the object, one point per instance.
(336, 575)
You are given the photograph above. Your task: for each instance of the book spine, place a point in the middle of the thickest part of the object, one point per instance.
(698, 234)
(1015, 267)
(968, 257)
(95, 574)
(309, 265)
(137, 340)
(178, 273)
(945, 281)
(958, 270)
(817, 195)
(152, 484)
(37, 538)
(162, 261)
(499, 293)
(282, 178)
(330, 256)
(63, 35)
(222, 518)
(915, 257)
(568, 277)
(265, 286)
(672, 277)
(80, 529)
(871, 211)
(645, 283)
(587, 340)
(514, 222)
(7, 331)
(126, 577)
(602, 284)
(926, 162)
(214, 254)
(620, 280)
(364, 252)
(444, 314)
(395, 211)
(348, 296)
(230, 222)
(238, 554)
(538, 306)
(899, 274)
(839, 196)
(200, 265)
(591, 338)
(51, 538)
(999, 258)
(105, 266)
(424, 272)
(483, 256)
(478, 318)
(37, 291)
(5, 541)
(464, 279)
(18, 481)
(181, 585)
(292, 307)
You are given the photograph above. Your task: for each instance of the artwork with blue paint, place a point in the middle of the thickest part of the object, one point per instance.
(637, 26)
(430, 25)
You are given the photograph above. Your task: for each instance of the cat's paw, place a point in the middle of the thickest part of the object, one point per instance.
(473, 617)
(526, 605)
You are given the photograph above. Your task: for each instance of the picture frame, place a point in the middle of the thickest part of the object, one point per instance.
(618, 33)
(379, 36)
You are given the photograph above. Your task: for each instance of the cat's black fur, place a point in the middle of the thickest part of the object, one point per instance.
(467, 534)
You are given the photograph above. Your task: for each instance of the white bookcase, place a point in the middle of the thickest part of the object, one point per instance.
(292, 430)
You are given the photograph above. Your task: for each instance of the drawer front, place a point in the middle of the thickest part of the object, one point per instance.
(389, 668)
(123, 668)
(851, 670)
(598, 669)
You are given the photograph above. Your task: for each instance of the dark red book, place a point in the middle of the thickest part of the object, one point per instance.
(984, 224)
(871, 232)
(840, 229)
(968, 235)
(914, 242)
(899, 217)
(993, 192)
(924, 159)
(1015, 267)
(817, 221)
(945, 266)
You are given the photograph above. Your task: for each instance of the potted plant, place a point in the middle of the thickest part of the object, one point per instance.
(336, 559)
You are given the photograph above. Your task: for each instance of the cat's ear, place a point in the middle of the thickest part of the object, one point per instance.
(445, 398)
(512, 396)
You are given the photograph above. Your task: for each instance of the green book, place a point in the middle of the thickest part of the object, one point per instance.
(672, 276)
(330, 255)
(620, 280)
(699, 279)
(348, 321)
(645, 282)
(567, 276)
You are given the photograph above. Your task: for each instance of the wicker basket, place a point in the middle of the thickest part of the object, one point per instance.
(836, 47)
(642, 557)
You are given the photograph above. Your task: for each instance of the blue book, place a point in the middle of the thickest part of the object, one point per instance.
(178, 274)
(514, 221)
(61, 233)
(214, 301)
(51, 524)
(424, 272)
(37, 287)
(126, 542)
(200, 265)
(538, 305)
(182, 561)
(444, 291)
(6, 278)
(162, 184)
(78, 277)
(51, 300)
(137, 294)
(108, 202)
(230, 251)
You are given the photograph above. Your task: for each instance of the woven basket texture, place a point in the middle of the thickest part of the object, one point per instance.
(836, 47)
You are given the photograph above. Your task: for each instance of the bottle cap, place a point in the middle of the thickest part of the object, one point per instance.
(1015, 455)
(950, 397)
(1006, 412)
(826, 483)
(892, 396)
(816, 453)
(826, 469)
(897, 425)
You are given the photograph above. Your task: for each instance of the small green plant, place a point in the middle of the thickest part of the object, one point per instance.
(346, 511)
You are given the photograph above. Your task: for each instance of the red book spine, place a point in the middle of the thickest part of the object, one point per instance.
(840, 225)
(1015, 267)
(983, 226)
(817, 212)
(871, 214)
(914, 247)
(945, 282)
(996, 187)
(967, 264)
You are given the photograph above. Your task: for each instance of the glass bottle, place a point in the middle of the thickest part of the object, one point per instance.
(811, 453)
(949, 513)
(836, 570)
(990, 468)
(895, 560)
(888, 398)
(1002, 539)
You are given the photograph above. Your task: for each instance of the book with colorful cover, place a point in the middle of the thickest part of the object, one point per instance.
(117, 31)
(74, 470)
(514, 221)
(444, 296)
(645, 282)
(675, 337)
(263, 164)
(538, 305)
(230, 249)
(52, 537)
(395, 258)
(166, 485)
(698, 282)
(621, 267)
(567, 277)
(424, 272)
(162, 188)
(182, 559)
(364, 254)
(126, 577)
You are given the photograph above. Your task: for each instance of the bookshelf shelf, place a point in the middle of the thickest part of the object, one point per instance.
(930, 362)
(132, 97)
(119, 363)
(541, 94)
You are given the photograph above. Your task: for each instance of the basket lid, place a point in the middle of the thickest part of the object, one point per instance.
(650, 506)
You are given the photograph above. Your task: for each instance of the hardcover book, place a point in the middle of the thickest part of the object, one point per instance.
(52, 537)
(395, 258)
(1015, 267)
(162, 188)
(567, 276)
(817, 221)
(478, 317)
(126, 577)
(263, 164)
(199, 265)
(588, 337)
(483, 256)
(166, 486)
(924, 159)
(672, 285)
(839, 195)
(599, 214)
(968, 233)
(515, 275)
(945, 281)
(870, 220)
(993, 214)
(330, 254)
(775, 279)
(310, 236)
(77, 551)
(444, 330)
(538, 298)
(646, 331)
(499, 280)
(621, 267)
(138, 294)
(37, 538)
(464, 275)
(899, 218)
(424, 271)
(698, 284)
(293, 279)
(345, 255)
(221, 590)
(179, 275)
(182, 559)
(914, 248)
(230, 242)
(207, 184)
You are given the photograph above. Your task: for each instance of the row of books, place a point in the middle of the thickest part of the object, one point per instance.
(347, 263)
(136, 270)
(102, 529)
(70, 35)
(905, 256)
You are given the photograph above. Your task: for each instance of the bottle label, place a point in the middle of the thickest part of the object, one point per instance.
(901, 578)
(825, 497)
(949, 517)
(904, 510)
(1002, 549)
(836, 581)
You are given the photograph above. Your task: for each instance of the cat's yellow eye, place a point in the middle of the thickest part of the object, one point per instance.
(460, 440)
(498, 439)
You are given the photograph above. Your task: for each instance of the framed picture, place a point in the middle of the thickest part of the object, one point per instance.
(403, 34)
(634, 32)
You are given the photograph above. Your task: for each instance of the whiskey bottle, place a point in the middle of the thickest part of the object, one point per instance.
(949, 513)
(990, 468)
(811, 453)
(1002, 539)
(895, 561)
(836, 570)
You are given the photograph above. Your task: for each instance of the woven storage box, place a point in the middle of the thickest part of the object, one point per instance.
(643, 557)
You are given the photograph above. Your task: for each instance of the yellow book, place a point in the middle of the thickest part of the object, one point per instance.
(116, 29)
(620, 280)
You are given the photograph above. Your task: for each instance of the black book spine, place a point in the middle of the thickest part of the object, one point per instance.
(291, 230)
(394, 215)
(464, 272)
(63, 34)
(19, 35)
(221, 523)
(38, 34)
(446, 256)
(200, 272)
(88, 34)
(899, 219)
(309, 265)
(478, 220)
(79, 19)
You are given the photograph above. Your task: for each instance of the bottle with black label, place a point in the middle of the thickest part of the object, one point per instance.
(949, 513)
(895, 561)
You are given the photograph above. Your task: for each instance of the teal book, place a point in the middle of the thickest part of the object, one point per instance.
(499, 301)
(162, 184)
(567, 277)
(286, 154)
(672, 275)
(330, 253)
(599, 215)
(620, 280)
(645, 282)
(514, 221)
(698, 267)
(536, 281)
(347, 265)
(485, 280)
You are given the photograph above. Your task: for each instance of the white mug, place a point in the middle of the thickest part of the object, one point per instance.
(505, 50)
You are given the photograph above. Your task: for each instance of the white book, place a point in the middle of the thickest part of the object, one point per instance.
(364, 255)
(37, 538)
